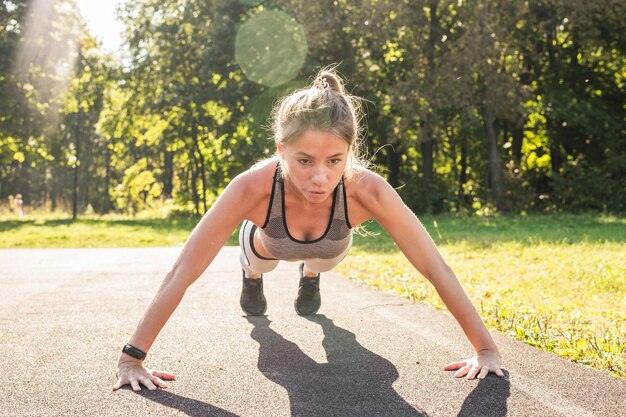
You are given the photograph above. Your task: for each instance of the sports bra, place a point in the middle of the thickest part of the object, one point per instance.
(279, 243)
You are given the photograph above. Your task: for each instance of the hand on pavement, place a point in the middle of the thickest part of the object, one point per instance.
(134, 373)
(479, 365)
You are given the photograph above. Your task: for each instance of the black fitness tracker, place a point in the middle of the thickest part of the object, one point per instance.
(136, 353)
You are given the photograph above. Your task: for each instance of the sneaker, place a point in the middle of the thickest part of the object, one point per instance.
(252, 300)
(308, 300)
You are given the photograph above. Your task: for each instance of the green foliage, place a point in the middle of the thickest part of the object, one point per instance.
(422, 197)
(139, 188)
(485, 108)
(582, 187)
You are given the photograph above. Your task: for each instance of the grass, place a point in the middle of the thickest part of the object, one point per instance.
(556, 282)
(93, 233)
(112, 231)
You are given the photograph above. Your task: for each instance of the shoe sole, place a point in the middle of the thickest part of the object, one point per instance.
(295, 305)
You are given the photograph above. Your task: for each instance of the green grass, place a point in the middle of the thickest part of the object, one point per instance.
(93, 233)
(556, 282)
(41, 231)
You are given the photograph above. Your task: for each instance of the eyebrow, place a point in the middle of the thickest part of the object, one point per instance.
(309, 156)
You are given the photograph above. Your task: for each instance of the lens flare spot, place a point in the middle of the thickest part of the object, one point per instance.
(270, 48)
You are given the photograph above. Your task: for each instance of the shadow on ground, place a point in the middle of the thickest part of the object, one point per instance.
(189, 406)
(489, 398)
(354, 382)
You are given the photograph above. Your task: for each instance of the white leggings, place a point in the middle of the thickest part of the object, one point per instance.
(253, 263)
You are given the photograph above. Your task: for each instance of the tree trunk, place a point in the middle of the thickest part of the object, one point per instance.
(200, 160)
(463, 200)
(106, 204)
(427, 140)
(518, 140)
(556, 155)
(393, 163)
(54, 191)
(427, 155)
(194, 183)
(168, 173)
(494, 167)
(76, 165)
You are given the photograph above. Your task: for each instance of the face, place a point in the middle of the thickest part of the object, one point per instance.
(315, 162)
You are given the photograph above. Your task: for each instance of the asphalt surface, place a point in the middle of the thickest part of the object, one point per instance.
(65, 314)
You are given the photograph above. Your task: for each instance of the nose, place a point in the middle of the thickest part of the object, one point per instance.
(318, 176)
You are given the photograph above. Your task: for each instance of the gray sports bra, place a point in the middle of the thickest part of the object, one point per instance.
(280, 244)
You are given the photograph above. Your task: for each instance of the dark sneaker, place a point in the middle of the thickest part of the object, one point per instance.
(308, 300)
(252, 300)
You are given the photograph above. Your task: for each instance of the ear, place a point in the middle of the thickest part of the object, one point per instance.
(281, 150)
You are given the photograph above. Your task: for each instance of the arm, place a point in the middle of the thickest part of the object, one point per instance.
(398, 220)
(199, 250)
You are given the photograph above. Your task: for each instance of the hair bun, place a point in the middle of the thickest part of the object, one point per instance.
(327, 79)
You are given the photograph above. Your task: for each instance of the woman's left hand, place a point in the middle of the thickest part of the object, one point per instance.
(479, 365)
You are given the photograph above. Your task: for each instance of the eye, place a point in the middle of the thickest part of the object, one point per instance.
(335, 161)
(303, 161)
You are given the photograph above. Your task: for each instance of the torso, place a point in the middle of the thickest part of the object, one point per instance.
(305, 222)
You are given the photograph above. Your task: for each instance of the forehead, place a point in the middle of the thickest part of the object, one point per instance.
(316, 142)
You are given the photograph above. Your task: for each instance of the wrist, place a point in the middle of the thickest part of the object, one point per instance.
(127, 359)
(134, 352)
(493, 350)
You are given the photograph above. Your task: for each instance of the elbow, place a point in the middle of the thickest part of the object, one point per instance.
(440, 273)
(175, 281)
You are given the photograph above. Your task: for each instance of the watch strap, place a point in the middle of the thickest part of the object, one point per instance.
(133, 351)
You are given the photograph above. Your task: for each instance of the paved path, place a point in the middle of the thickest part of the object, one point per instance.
(65, 314)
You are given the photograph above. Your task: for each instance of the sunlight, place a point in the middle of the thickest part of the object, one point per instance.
(103, 24)
(44, 64)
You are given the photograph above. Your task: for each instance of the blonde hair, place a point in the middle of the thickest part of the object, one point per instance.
(326, 106)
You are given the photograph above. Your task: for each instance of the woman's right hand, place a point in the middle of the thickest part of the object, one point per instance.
(133, 373)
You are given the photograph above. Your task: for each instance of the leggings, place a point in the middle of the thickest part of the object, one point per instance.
(253, 263)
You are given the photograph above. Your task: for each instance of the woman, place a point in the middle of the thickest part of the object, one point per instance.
(283, 204)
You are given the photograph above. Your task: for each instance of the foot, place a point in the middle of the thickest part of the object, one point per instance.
(252, 300)
(308, 300)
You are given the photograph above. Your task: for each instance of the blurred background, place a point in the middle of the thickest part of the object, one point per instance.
(471, 106)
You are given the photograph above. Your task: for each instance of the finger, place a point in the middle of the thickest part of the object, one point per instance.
(455, 365)
(164, 375)
(135, 385)
(158, 382)
(463, 371)
(499, 372)
(473, 372)
(119, 384)
(483, 373)
(148, 383)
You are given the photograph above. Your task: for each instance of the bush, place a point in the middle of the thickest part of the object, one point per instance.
(426, 199)
(582, 188)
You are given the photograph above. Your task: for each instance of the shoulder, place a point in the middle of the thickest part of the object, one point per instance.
(247, 194)
(366, 184)
(257, 180)
(370, 196)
